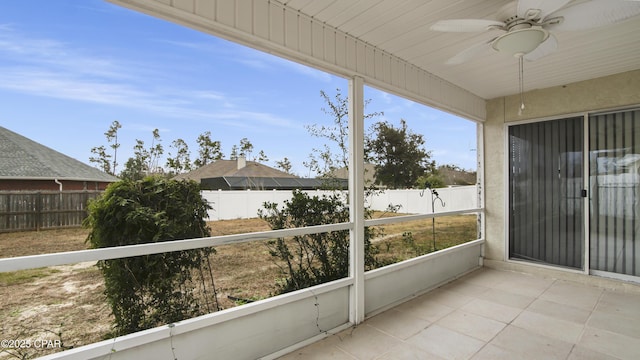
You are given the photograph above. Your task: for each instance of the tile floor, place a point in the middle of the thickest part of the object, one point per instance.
(491, 314)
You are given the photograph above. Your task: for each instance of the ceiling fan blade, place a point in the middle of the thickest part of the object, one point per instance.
(465, 25)
(545, 48)
(471, 52)
(546, 7)
(595, 13)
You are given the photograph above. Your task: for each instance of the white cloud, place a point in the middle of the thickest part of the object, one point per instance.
(43, 82)
(49, 68)
(216, 96)
(246, 56)
(55, 55)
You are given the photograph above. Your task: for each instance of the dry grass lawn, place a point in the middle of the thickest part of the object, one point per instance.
(67, 302)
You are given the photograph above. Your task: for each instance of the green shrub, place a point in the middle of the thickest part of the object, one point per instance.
(152, 290)
(312, 259)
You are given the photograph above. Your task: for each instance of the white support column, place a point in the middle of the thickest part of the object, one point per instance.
(356, 198)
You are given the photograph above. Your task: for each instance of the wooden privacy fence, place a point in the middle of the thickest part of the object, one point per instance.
(26, 210)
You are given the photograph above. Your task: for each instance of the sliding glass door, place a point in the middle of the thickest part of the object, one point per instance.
(547, 189)
(614, 186)
(545, 192)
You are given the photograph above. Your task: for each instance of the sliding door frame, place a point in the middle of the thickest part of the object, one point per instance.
(586, 200)
(585, 204)
(603, 273)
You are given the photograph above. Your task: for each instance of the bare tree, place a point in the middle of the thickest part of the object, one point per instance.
(327, 159)
(112, 135)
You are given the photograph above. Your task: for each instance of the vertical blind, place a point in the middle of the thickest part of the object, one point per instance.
(614, 184)
(545, 183)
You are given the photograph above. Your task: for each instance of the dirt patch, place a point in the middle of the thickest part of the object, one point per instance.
(67, 302)
(66, 305)
(42, 242)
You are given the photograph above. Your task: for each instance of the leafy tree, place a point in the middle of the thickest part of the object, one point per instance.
(208, 150)
(134, 169)
(101, 158)
(262, 157)
(447, 174)
(399, 155)
(284, 165)
(155, 153)
(234, 153)
(112, 135)
(316, 258)
(151, 290)
(246, 148)
(181, 161)
(144, 161)
(431, 181)
(313, 259)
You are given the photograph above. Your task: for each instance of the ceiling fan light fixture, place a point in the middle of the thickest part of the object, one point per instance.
(520, 42)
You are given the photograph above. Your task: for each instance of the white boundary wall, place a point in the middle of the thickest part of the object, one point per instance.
(228, 205)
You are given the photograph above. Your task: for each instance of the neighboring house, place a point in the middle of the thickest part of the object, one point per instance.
(369, 174)
(456, 176)
(28, 165)
(450, 176)
(241, 174)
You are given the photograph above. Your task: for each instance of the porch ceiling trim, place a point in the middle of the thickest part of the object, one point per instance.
(270, 26)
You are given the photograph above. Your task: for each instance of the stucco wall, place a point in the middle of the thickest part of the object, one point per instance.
(609, 92)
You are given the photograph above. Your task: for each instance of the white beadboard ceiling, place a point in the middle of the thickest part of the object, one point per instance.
(402, 28)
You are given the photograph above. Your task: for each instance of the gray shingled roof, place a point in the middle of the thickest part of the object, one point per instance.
(220, 168)
(369, 174)
(22, 158)
(269, 183)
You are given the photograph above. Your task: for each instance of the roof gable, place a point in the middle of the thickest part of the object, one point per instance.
(270, 183)
(229, 168)
(22, 158)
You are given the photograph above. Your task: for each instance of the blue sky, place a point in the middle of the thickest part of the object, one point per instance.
(69, 68)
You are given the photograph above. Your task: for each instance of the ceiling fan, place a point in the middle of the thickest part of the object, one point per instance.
(528, 27)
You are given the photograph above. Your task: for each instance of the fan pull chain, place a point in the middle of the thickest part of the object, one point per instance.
(521, 83)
